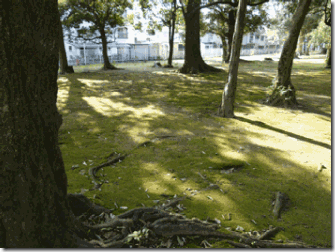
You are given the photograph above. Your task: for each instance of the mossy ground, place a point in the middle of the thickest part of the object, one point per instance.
(279, 149)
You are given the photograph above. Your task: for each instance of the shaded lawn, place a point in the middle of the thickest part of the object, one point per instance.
(279, 149)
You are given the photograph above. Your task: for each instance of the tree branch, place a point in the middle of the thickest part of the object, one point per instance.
(255, 4)
(182, 7)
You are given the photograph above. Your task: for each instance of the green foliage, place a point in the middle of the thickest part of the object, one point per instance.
(102, 16)
(218, 19)
(321, 34)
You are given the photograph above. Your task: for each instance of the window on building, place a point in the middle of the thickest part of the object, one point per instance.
(251, 37)
(122, 33)
(70, 48)
(109, 48)
(257, 37)
(181, 47)
(206, 47)
(260, 47)
(262, 38)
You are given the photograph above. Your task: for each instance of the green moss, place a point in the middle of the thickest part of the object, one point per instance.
(273, 149)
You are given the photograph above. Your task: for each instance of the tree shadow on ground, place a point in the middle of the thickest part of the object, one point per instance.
(266, 126)
(128, 114)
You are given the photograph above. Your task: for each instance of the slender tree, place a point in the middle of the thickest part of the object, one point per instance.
(168, 16)
(34, 210)
(221, 21)
(228, 96)
(102, 15)
(283, 93)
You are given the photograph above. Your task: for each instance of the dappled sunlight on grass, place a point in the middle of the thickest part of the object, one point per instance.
(273, 149)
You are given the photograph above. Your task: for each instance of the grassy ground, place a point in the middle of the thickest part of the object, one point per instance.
(275, 149)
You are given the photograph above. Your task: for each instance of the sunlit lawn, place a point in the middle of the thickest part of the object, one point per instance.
(278, 149)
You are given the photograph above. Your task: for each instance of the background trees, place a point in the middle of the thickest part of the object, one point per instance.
(102, 17)
(221, 21)
(64, 67)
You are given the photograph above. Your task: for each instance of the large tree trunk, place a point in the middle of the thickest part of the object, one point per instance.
(34, 210)
(228, 97)
(284, 92)
(107, 64)
(193, 60)
(64, 67)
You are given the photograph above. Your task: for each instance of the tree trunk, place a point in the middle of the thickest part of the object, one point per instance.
(300, 44)
(224, 48)
(107, 64)
(171, 33)
(283, 91)
(329, 57)
(228, 96)
(34, 210)
(193, 60)
(231, 27)
(64, 67)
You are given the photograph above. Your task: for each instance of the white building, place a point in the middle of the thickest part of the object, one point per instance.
(210, 45)
(263, 41)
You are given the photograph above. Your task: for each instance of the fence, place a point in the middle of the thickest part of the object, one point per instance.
(211, 52)
(139, 52)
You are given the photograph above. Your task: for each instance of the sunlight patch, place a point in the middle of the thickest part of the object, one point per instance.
(62, 96)
(91, 83)
(107, 107)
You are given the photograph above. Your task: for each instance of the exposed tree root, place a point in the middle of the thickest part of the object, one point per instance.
(109, 67)
(282, 97)
(168, 66)
(198, 68)
(92, 171)
(149, 227)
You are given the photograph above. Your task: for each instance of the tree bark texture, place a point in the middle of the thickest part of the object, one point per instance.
(107, 64)
(284, 92)
(194, 62)
(64, 67)
(224, 49)
(230, 34)
(34, 211)
(228, 97)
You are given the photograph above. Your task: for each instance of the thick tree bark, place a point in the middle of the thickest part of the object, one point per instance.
(228, 97)
(194, 63)
(34, 211)
(107, 64)
(64, 67)
(284, 92)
